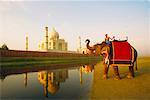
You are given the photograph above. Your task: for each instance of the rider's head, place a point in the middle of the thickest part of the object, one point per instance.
(106, 35)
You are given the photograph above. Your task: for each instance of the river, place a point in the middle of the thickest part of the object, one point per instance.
(60, 83)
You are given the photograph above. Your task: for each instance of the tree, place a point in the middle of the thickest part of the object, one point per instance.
(4, 47)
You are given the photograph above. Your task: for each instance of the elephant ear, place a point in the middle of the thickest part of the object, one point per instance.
(105, 50)
(97, 49)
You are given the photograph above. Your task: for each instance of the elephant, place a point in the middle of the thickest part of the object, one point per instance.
(101, 49)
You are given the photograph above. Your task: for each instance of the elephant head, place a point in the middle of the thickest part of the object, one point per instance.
(97, 49)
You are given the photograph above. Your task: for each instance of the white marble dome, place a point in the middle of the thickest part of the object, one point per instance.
(53, 34)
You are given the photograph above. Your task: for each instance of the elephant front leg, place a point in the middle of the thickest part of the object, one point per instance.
(131, 72)
(116, 72)
(106, 67)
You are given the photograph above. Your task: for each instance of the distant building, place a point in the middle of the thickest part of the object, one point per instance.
(85, 51)
(79, 44)
(52, 41)
(80, 49)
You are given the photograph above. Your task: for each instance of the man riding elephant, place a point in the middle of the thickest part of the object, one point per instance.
(107, 39)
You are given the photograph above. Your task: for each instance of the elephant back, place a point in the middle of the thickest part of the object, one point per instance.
(121, 53)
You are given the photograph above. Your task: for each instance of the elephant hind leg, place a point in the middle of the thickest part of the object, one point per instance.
(116, 72)
(131, 72)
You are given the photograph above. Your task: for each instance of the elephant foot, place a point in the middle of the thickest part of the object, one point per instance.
(117, 78)
(129, 76)
(105, 77)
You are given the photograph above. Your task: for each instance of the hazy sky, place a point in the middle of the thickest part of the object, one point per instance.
(72, 19)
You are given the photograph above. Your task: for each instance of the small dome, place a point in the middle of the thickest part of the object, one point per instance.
(53, 33)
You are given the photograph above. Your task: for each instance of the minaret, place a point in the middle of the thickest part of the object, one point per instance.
(27, 41)
(46, 38)
(25, 79)
(26, 75)
(79, 44)
(46, 86)
(80, 69)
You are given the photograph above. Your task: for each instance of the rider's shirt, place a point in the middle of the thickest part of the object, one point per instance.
(107, 40)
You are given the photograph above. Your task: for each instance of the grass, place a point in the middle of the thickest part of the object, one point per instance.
(124, 89)
(24, 61)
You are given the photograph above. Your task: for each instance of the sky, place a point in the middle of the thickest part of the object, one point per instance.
(71, 19)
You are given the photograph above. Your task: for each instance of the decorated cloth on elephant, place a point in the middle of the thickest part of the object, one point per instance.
(106, 57)
(105, 54)
(121, 52)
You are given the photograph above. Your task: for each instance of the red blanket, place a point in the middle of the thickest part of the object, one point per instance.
(121, 52)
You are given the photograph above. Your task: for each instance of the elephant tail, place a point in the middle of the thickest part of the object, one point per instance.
(135, 58)
(136, 65)
(136, 55)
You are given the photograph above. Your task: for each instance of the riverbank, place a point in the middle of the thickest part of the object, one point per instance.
(16, 65)
(29, 58)
(124, 89)
(24, 61)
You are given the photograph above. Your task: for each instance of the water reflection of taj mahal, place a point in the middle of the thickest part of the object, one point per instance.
(51, 80)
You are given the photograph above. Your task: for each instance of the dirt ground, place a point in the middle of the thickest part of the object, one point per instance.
(124, 89)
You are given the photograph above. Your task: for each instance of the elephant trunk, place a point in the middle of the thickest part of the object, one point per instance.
(88, 46)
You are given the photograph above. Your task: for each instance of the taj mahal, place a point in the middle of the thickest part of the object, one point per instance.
(51, 41)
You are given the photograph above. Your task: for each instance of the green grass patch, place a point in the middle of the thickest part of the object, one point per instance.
(19, 61)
